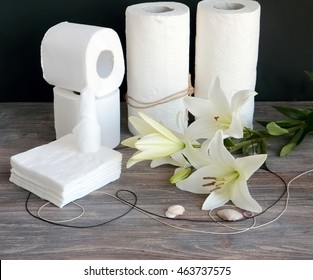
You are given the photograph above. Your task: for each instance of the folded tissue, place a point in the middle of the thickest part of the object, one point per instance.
(60, 173)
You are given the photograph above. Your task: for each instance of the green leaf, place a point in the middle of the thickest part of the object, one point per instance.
(287, 149)
(293, 113)
(294, 142)
(252, 133)
(298, 136)
(310, 115)
(262, 147)
(289, 123)
(248, 150)
(275, 130)
(228, 142)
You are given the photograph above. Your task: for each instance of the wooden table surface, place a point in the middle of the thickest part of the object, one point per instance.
(136, 235)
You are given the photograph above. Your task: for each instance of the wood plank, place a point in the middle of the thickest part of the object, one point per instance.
(137, 236)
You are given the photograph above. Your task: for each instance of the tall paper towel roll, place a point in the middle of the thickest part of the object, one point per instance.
(227, 39)
(66, 115)
(76, 55)
(157, 41)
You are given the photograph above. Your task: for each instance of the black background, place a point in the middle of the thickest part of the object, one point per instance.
(285, 49)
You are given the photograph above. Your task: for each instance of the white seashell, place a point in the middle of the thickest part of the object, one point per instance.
(174, 210)
(230, 215)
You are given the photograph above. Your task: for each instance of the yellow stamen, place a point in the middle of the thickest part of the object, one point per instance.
(217, 182)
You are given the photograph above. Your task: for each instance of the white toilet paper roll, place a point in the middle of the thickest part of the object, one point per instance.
(157, 41)
(66, 115)
(227, 39)
(76, 55)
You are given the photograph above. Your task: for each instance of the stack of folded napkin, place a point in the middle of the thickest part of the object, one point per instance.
(60, 173)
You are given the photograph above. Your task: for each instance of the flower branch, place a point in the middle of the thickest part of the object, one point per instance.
(203, 154)
(296, 127)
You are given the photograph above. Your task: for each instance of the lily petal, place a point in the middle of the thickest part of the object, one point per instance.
(197, 106)
(217, 95)
(196, 157)
(180, 159)
(131, 161)
(141, 126)
(161, 161)
(240, 98)
(194, 183)
(154, 152)
(201, 129)
(220, 155)
(158, 127)
(235, 128)
(249, 164)
(159, 143)
(216, 199)
(240, 196)
(165, 160)
(176, 159)
(130, 142)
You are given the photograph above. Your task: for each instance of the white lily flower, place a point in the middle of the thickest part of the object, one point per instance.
(194, 154)
(176, 159)
(217, 113)
(154, 140)
(224, 178)
(183, 169)
(186, 160)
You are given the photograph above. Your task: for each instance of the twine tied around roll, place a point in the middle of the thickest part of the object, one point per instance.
(143, 105)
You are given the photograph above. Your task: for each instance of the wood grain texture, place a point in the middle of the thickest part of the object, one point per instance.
(137, 236)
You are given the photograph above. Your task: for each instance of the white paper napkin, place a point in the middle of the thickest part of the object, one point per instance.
(60, 173)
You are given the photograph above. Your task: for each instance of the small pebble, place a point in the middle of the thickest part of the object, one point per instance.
(248, 214)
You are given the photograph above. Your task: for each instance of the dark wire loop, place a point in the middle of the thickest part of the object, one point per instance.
(265, 167)
(133, 205)
(205, 220)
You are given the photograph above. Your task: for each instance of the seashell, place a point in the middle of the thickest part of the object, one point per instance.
(230, 215)
(174, 210)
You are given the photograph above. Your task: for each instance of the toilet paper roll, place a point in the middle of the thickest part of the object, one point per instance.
(74, 56)
(157, 53)
(227, 39)
(66, 115)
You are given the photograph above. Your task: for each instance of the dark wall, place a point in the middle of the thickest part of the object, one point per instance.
(285, 50)
(286, 43)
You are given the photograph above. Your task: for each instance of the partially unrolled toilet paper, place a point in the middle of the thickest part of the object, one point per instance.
(74, 56)
(87, 131)
(67, 108)
(227, 39)
(157, 41)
